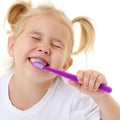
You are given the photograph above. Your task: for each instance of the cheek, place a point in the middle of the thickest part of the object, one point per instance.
(58, 60)
(21, 50)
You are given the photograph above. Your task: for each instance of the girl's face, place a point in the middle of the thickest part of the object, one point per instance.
(44, 38)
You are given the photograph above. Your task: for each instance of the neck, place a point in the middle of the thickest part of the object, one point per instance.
(24, 95)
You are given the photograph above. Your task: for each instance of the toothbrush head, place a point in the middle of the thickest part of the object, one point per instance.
(38, 64)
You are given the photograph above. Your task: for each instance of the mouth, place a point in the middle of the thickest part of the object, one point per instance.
(41, 60)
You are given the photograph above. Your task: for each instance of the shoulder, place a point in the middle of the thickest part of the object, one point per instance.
(5, 77)
(80, 103)
(65, 89)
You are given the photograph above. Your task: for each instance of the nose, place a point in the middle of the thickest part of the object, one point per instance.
(44, 49)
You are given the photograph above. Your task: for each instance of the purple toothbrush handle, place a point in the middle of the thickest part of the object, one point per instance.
(62, 73)
(105, 88)
(74, 78)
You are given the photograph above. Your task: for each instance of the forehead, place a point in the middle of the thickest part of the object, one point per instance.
(48, 23)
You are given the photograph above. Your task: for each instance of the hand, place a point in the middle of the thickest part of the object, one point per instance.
(89, 82)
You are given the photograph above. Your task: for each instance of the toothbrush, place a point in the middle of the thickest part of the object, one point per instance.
(40, 65)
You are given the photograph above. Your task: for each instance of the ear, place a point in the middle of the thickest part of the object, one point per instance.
(68, 64)
(11, 45)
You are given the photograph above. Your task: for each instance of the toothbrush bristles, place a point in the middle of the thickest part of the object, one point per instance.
(38, 64)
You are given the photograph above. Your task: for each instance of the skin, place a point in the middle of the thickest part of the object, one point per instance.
(43, 38)
(46, 39)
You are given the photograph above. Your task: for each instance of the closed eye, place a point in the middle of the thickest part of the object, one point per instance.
(57, 46)
(56, 43)
(35, 38)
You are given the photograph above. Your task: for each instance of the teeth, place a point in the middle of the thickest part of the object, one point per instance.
(33, 60)
(37, 60)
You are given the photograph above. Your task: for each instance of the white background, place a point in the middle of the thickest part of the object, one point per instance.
(106, 16)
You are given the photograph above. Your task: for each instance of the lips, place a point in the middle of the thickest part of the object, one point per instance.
(36, 59)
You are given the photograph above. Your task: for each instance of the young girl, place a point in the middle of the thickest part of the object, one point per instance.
(45, 34)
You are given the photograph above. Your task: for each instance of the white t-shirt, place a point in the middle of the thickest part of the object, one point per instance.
(61, 102)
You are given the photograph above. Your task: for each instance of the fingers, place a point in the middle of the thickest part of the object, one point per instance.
(90, 80)
(100, 80)
(87, 79)
(80, 75)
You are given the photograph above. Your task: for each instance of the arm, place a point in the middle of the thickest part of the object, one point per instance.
(89, 82)
(110, 109)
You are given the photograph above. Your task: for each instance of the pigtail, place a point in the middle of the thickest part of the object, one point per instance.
(16, 11)
(87, 34)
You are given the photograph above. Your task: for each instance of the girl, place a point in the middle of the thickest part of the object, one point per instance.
(46, 34)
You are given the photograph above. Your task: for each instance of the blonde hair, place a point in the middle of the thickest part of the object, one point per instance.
(21, 11)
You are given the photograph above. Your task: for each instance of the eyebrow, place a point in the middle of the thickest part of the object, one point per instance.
(35, 32)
